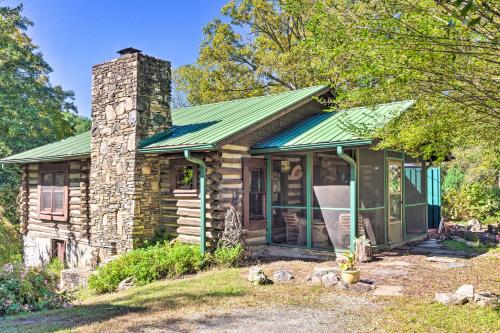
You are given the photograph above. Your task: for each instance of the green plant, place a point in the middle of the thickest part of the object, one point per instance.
(10, 242)
(55, 267)
(475, 200)
(25, 289)
(348, 263)
(453, 179)
(229, 256)
(492, 219)
(147, 264)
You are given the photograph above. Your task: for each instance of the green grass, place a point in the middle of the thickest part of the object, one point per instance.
(478, 247)
(411, 315)
(170, 295)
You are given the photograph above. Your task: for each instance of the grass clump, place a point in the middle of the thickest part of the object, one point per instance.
(409, 315)
(147, 265)
(229, 256)
(477, 246)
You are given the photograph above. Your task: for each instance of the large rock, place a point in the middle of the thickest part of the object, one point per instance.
(282, 276)
(474, 225)
(257, 276)
(486, 298)
(126, 284)
(318, 273)
(466, 290)
(361, 286)
(329, 280)
(450, 299)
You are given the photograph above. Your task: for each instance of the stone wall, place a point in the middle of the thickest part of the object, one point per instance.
(130, 101)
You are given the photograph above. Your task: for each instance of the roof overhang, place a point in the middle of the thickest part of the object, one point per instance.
(60, 158)
(176, 149)
(315, 146)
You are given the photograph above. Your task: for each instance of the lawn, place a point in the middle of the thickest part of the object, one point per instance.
(478, 247)
(222, 300)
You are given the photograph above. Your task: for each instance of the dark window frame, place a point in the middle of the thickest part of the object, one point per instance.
(174, 166)
(52, 214)
(253, 222)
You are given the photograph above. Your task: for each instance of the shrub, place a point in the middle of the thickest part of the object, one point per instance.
(146, 265)
(10, 242)
(24, 289)
(453, 179)
(55, 267)
(228, 256)
(472, 201)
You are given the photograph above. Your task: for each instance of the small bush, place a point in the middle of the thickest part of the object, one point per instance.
(472, 201)
(453, 179)
(228, 256)
(24, 289)
(146, 265)
(10, 242)
(55, 267)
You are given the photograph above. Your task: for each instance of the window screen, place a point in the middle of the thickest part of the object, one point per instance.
(371, 181)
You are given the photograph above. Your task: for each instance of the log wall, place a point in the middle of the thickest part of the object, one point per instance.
(180, 209)
(39, 233)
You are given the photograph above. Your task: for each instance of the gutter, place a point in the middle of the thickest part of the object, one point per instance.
(202, 196)
(352, 197)
(313, 146)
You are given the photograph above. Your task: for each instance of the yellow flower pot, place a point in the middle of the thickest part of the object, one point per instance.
(351, 277)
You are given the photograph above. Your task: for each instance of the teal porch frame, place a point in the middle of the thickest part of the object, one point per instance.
(353, 207)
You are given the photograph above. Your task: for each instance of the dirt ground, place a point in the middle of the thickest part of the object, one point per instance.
(223, 301)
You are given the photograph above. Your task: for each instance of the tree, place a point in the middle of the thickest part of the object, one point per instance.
(32, 111)
(442, 54)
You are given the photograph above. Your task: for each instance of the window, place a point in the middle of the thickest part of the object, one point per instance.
(256, 193)
(53, 192)
(184, 175)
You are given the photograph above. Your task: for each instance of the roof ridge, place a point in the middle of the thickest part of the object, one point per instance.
(249, 98)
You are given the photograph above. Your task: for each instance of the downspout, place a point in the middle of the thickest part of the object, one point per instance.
(352, 199)
(202, 196)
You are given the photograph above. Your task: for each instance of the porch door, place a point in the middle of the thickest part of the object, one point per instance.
(394, 186)
(254, 194)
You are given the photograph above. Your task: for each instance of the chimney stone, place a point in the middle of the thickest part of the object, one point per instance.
(130, 102)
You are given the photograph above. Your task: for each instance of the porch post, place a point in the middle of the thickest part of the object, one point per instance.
(352, 203)
(269, 197)
(309, 163)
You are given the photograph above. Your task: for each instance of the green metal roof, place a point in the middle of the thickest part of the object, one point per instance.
(197, 128)
(70, 148)
(332, 128)
(203, 126)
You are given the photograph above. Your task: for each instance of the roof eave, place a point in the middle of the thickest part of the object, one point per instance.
(174, 149)
(44, 159)
(312, 146)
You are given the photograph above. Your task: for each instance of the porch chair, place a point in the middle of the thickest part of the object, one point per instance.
(293, 227)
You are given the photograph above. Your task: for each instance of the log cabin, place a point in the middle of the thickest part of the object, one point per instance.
(301, 174)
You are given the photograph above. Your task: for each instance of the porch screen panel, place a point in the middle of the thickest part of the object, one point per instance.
(371, 185)
(415, 197)
(289, 200)
(331, 204)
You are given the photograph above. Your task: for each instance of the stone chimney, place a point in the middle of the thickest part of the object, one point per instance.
(130, 101)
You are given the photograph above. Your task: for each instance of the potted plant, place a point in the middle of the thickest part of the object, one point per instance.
(348, 268)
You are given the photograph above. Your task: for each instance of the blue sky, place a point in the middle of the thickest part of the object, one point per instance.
(75, 35)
